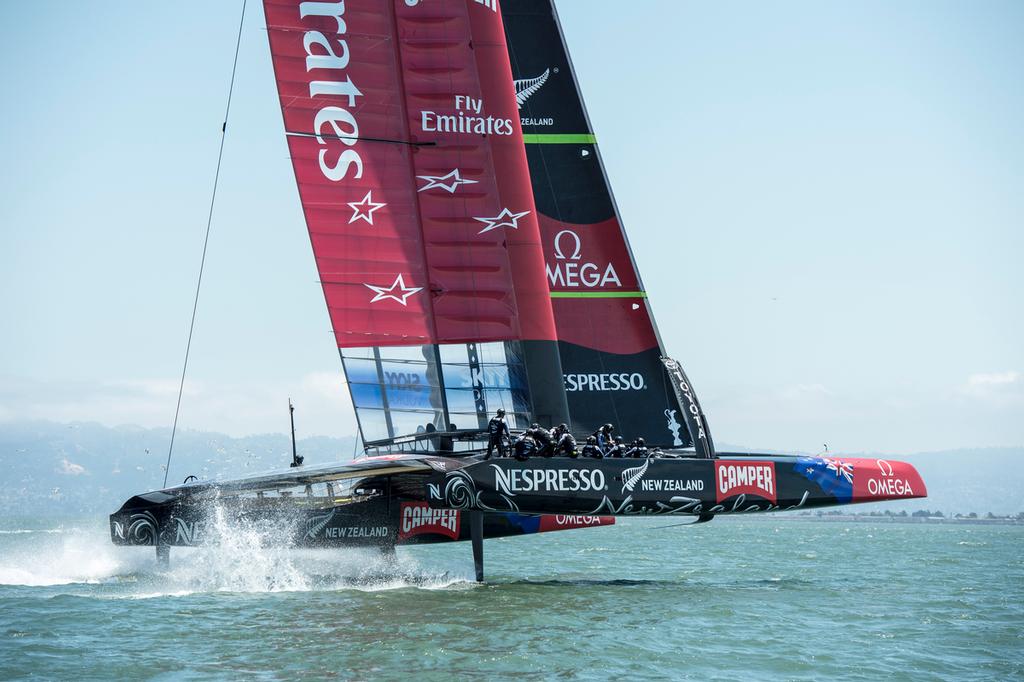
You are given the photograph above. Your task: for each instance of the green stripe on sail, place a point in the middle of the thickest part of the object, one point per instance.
(567, 138)
(598, 294)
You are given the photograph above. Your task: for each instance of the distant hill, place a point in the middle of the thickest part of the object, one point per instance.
(85, 468)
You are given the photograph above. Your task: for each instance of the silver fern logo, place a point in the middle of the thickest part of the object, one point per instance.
(317, 523)
(526, 87)
(632, 476)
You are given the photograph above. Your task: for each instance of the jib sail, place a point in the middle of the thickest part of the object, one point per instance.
(609, 346)
(405, 139)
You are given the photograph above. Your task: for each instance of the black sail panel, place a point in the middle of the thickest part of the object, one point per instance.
(608, 342)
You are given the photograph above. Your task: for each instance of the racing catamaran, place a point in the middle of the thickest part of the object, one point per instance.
(472, 258)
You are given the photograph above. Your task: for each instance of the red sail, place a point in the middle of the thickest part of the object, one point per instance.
(408, 153)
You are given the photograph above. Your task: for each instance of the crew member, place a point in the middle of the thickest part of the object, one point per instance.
(617, 450)
(497, 432)
(604, 437)
(565, 443)
(545, 442)
(591, 449)
(524, 446)
(639, 449)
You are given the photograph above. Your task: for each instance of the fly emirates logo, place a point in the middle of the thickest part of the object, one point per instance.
(468, 118)
(334, 125)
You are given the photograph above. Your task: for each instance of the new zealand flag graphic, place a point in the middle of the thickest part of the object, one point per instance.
(834, 476)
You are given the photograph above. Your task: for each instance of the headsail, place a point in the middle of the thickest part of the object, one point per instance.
(609, 346)
(405, 139)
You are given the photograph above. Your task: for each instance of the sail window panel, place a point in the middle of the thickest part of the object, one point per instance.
(373, 424)
(461, 400)
(407, 353)
(468, 420)
(367, 395)
(413, 396)
(357, 353)
(499, 398)
(453, 354)
(408, 374)
(409, 422)
(362, 372)
(492, 353)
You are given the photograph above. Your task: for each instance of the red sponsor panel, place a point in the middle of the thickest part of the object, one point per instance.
(407, 149)
(734, 478)
(549, 522)
(882, 479)
(596, 287)
(419, 518)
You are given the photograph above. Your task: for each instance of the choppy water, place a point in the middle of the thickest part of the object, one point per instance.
(744, 598)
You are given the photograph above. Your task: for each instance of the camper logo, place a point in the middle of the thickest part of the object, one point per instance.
(745, 478)
(418, 518)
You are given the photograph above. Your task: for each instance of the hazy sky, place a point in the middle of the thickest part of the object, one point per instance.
(834, 190)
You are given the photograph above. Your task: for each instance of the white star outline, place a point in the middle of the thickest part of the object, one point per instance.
(381, 293)
(363, 210)
(455, 178)
(504, 219)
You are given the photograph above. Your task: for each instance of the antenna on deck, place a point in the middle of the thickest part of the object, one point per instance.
(296, 460)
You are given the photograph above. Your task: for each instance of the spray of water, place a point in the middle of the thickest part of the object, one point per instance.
(238, 556)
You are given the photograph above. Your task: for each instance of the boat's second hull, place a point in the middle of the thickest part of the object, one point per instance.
(699, 487)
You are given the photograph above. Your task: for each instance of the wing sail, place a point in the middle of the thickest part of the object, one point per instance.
(609, 346)
(403, 128)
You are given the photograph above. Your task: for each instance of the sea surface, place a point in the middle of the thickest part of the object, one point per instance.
(752, 598)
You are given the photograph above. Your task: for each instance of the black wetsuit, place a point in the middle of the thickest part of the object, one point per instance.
(566, 446)
(523, 448)
(497, 431)
(545, 448)
(591, 450)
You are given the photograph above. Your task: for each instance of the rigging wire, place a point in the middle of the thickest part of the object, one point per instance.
(206, 241)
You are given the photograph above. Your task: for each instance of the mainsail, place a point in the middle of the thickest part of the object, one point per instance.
(609, 345)
(405, 139)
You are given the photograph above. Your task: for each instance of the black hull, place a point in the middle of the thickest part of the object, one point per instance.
(405, 501)
(729, 484)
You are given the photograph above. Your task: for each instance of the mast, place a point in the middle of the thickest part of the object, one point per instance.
(296, 460)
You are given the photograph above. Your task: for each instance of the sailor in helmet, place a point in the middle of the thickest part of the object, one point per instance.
(543, 438)
(524, 447)
(639, 449)
(604, 437)
(565, 442)
(617, 450)
(497, 433)
(591, 449)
